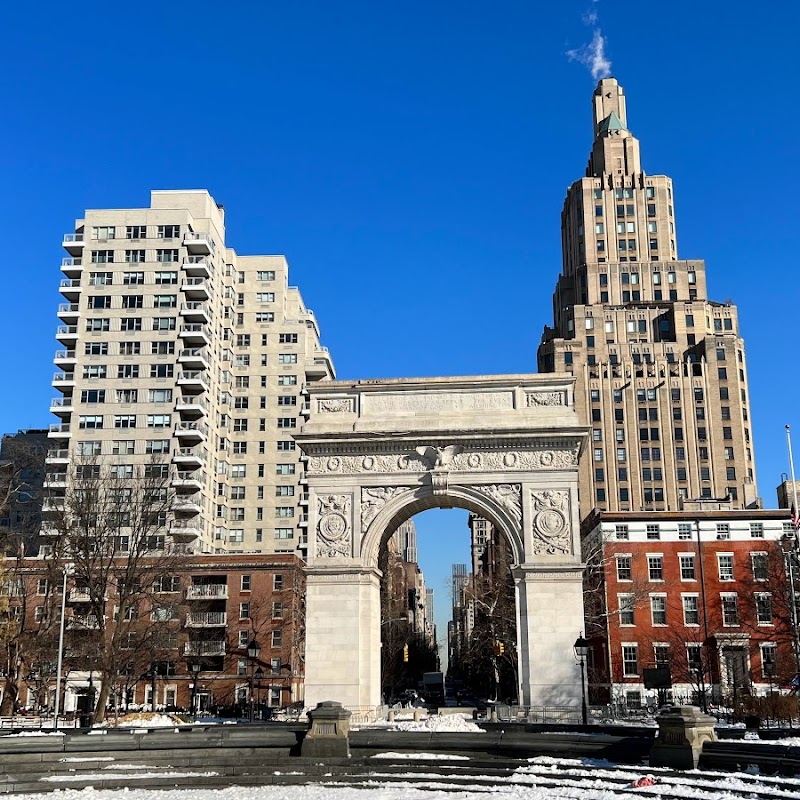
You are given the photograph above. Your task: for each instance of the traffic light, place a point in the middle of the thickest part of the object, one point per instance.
(405, 653)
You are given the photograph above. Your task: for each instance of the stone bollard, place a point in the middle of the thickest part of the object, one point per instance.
(493, 716)
(682, 731)
(328, 734)
(390, 716)
(417, 715)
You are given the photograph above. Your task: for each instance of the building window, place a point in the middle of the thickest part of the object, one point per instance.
(626, 609)
(725, 566)
(758, 562)
(730, 612)
(764, 608)
(688, 572)
(630, 660)
(655, 567)
(769, 654)
(244, 610)
(277, 638)
(283, 533)
(653, 531)
(691, 610)
(624, 568)
(723, 530)
(658, 609)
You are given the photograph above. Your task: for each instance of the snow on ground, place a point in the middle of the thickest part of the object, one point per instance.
(146, 720)
(424, 756)
(452, 723)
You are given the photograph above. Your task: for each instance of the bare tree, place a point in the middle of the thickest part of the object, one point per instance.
(112, 525)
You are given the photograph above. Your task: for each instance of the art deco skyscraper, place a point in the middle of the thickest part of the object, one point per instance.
(180, 354)
(660, 368)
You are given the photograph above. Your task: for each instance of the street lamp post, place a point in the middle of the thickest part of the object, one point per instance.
(253, 652)
(581, 648)
(68, 570)
(259, 675)
(194, 669)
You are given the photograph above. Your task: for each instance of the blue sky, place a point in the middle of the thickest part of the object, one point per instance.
(410, 159)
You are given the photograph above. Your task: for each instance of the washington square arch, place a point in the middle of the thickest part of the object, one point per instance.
(505, 447)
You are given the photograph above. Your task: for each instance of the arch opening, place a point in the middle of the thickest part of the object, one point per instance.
(448, 611)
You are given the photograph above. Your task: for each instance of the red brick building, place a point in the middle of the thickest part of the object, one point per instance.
(701, 593)
(206, 615)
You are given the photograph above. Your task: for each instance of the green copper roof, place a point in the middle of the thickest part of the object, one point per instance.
(611, 123)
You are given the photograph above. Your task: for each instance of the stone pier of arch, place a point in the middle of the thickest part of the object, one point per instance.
(378, 452)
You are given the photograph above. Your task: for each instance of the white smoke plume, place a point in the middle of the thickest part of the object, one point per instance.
(593, 55)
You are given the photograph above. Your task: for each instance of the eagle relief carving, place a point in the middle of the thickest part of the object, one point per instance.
(551, 533)
(333, 528)
(439, 457)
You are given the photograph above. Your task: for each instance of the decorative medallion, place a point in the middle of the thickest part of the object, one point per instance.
(551, 534)
(333, 528)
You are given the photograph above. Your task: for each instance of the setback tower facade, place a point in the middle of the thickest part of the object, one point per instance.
(661, 369)
(180, 353)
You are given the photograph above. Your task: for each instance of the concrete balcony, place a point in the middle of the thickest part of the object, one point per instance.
(64, 381)
(65, 358)
(205, 648)
(198, 243)
(184, 531)
(67, 334)
(62, 406)
(53, 505)
(195, 311)
(189, 504)
(303, 521)
(186, 481)
(191, 432)
(191, 406)
(197, 267)
(73, 243)
(78, 595)
(195, 288)
(207, 591)
(195, 334)
(55, 480)
(59, 431)
(71, 289)
(320, 365)
(57, 457)
(72, 267)
(69, 313)
(186, 458)
(193, 358)
(192, 381)
(206, 619)
(85, 622)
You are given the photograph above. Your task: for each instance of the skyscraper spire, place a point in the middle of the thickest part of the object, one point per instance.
(660, 368)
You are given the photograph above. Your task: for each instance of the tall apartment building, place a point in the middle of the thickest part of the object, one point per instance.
(179, 350)
(661, 369)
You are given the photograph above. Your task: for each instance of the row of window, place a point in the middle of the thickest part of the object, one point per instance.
(656, 474)
(686, 562)
(137, 278)
(136, 231)
(650, 395)
(694, 658)
(690, 605)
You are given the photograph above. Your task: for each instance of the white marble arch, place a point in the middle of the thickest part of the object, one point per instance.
(379, 452)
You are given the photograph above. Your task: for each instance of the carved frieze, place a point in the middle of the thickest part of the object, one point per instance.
(333, 528)
(550, 527)
(535, 399)
(414, 461)
(508, 495)
(375, 498)
(334, 405)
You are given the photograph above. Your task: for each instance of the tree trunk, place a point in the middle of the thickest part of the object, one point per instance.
(102, 699)
(10, 696)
